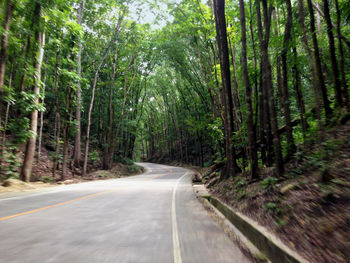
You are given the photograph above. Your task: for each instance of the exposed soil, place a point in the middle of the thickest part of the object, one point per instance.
(309, 209)
(42, 175)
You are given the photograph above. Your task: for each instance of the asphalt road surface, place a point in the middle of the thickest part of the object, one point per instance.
(153, 217)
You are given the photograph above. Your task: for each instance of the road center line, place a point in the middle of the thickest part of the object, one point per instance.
(74, 200)
(54, 205)
(176, 242)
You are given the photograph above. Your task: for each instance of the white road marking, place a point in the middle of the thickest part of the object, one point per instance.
(176, 242)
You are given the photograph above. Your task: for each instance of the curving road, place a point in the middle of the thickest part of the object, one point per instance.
(153, 217)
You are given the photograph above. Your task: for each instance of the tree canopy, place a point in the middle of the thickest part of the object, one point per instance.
(240, 82)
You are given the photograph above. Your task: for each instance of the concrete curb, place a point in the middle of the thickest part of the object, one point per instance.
(266, 242)
(234, 234)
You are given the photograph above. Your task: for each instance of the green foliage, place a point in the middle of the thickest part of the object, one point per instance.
(269, 183)
(12, 162)
(47, 179)
(277, 212)
(271, 207)
(124, 160)
(19, 128)
(133, 168)
(94, 156)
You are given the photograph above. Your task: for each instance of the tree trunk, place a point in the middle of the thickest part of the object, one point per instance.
(41, 119)
(87, 141)
(321, 84)
(285, 92)
(267, 83)
(300, 100)
(108, 148)
(221, 35)
(77, 140)
(265, 116)
(57, 130)
(3, 50)
(3, 141)
(304, 38)
(30, 148)
(334, 63)
(345, 93)
(250, 126)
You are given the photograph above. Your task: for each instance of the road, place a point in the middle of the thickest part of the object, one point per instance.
(153, 217)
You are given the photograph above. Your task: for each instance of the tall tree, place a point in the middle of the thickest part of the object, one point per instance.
(221, 36)
(334, 62)
(285, 91)
(30, 147)
(318, 66)
(3, 50)
(87, 140)
(250, 126)
(77, 141)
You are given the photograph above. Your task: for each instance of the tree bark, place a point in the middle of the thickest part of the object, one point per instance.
(57, 118)
(334, 63)
(267, 82)
(250, 126)
(30, 148)
(285, 92)
(344, 86)
(311, 61)
(221, 35)
(321, 84)
(41, 119)
(77, 140)
(87, 141)
(3, 50)
(300, 100)
(108, 147)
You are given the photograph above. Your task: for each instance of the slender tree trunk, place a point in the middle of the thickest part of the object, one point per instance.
(41, 119)
(304, 38)
(57, 118)
(3, 50)
(285, 92)
(318, 20)
(265, 115)
(77, 140)
(30, 148)
(250, 126)
(321, 84)
(344, 86)
(66, 126)
(108, 148)
(87, 141)
(300, 100)
(319, 12)
(27, 59)
(3, 141)
(268, 85)
(235, 97)
(221, 34)
(334, 63)
(67, 119)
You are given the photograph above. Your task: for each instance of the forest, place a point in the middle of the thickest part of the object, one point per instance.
(257, 91)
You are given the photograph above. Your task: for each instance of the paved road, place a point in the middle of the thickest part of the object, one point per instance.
(153, 217)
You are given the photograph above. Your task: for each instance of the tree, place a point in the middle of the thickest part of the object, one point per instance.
(30, 147)
(250, 126)
(221, 35)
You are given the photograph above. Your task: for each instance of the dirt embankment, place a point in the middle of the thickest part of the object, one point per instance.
(42, 175)
(309, 209)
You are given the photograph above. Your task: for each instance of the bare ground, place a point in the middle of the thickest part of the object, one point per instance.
(309, 209)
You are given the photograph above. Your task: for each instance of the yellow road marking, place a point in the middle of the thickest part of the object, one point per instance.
(67, 202)
(50, 206)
